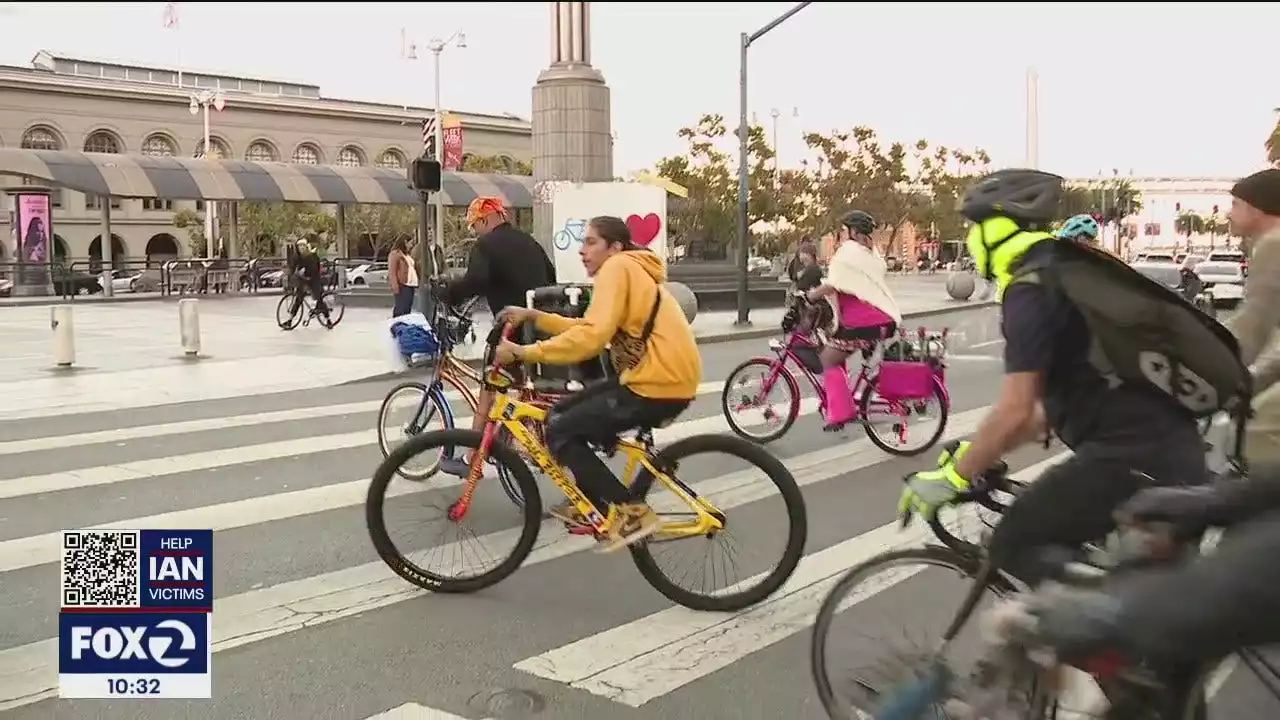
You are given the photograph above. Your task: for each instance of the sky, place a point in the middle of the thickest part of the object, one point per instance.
(1163, 89)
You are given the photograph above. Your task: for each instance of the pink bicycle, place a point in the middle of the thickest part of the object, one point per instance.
(907, 384)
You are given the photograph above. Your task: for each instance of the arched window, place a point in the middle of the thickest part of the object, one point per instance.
(306, 154)
(159, 145)
(391, 159)
(261, 151)
(102, 141)
(219, 149)
(40, 138)
(350, 157)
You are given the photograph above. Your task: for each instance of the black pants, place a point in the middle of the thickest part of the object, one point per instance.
(404, 300)
(1072, 504)
(316, 287)
(598, 414)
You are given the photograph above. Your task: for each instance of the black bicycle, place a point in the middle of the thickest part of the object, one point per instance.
(866, 693)
(291, 313)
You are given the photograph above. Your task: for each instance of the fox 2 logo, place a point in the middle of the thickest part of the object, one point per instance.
(136, 642)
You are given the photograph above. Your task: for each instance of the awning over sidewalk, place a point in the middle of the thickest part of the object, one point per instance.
(174, 178)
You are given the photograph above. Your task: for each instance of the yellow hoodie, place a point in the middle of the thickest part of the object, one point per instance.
(669, 369)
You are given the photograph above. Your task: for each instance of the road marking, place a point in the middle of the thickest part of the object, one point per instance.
(988, 343)
(40, 549)
(185, 427)
(414, 711)
(282, 449)
(973, 358)
(648, 658)
(28, 673)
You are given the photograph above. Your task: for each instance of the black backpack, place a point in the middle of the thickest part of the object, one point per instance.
(1144, 333)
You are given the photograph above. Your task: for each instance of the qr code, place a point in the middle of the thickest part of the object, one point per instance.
(100, 569)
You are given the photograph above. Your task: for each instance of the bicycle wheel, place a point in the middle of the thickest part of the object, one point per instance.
(285, 318)
(857, 694)
(874, 417)
(336, 310)
(736, 396)
(525, 533)
(426, 407)
(758, 461)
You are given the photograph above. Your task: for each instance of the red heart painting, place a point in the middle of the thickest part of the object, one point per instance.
(644, 229)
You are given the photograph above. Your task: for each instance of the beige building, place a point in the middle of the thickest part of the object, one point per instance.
(78, 104)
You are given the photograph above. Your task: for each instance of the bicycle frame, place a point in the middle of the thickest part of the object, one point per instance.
(512, 415)
(786, 356)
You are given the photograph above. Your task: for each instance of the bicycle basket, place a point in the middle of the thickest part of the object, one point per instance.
(905, 380)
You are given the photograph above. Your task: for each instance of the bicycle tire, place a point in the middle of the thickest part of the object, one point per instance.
(934, 555)
(435, 397)
(434, 582)
(291, 320)
(944, 412)
(762, 459)
(793, 412)
(336, 310)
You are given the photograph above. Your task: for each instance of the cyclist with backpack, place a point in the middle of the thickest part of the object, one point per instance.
(1204, 609)
(1124, 431)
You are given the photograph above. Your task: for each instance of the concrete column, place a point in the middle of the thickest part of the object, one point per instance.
(106, 245)
(340, 228)
(233, 232)
(571, 124)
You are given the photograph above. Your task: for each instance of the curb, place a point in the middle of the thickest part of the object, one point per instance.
(712, 339)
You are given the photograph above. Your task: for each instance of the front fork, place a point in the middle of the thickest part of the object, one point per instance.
(458, 510)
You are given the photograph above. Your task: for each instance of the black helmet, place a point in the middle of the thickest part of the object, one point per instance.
(1029, 197)
(859, 222)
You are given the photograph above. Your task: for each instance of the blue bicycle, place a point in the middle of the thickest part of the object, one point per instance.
(453, 326)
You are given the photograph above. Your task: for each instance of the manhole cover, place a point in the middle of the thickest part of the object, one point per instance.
(508, 703)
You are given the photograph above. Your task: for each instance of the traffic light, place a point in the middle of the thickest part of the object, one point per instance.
(425, 175)
(1215, 209)
(1177, 207)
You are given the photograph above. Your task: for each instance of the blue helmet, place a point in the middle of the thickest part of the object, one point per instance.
(1081, 227)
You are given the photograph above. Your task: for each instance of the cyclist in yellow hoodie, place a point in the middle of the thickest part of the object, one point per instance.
(651, 346)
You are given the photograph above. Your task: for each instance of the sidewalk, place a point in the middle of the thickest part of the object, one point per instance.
(129, 355)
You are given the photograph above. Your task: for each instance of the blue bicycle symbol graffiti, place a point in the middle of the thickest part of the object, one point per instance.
(573, 232)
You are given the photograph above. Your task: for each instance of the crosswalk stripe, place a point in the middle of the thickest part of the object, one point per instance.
(28, 673)
(414, 711)
(650, 657)
(186, 427)
(40, 549)
(231, 457)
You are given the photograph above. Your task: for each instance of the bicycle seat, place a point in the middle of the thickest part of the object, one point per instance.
(556, 386)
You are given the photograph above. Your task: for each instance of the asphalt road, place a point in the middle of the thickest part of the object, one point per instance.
(310, 624)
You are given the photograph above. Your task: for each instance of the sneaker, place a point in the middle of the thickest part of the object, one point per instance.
(628, 524)
(568, 513)
(457, 467)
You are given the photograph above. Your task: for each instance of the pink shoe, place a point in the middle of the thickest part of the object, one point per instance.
(839, 398)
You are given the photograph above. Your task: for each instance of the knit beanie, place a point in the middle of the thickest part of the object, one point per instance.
(1261, 190)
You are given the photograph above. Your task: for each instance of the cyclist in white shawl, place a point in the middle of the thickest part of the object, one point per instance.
(864, 311)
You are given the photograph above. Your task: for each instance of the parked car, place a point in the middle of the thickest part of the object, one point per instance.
(367, 274)
(6, 287)
(1224, 279)
(1171, 276)
(135, 280)
(75, 282)
(1155, 258)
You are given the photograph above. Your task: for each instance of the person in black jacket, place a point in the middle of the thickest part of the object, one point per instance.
(305, 271)
(504, 265)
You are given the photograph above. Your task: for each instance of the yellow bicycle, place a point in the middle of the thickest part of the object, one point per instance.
(688, 517)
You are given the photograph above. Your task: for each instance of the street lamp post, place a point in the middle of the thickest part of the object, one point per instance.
(437, 46)
(744, 133)
(201, 101)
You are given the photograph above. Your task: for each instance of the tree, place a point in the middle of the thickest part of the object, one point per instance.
(262, 227)
(380, 226)
(1189, 223)
(1111, 201)
(944, 175)
(495, 165)
(709, 171)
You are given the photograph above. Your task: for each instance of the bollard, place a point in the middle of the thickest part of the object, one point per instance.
(189, 325)
(960, 285)
(685, 297)
(64, 335)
